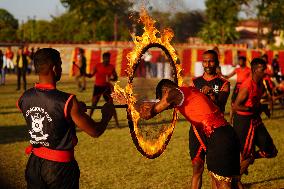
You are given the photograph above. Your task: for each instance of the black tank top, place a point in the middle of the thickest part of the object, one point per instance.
(47, 118)
(217, 84)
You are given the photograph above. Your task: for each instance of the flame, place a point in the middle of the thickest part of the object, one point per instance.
(149, 37)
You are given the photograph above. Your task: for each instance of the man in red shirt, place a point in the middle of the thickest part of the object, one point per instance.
(247, 121)
(222, 145)
(242, 72)
(104, 73)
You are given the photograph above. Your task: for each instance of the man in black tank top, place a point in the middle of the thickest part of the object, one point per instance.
(51, 116)
(218, 90)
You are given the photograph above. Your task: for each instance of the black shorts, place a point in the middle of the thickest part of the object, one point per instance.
(259, 136)
(197, 153)
(103, 90)
(222, 151)
(42, 174)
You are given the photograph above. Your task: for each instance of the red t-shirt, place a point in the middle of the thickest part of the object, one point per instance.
(255, 92)
(103, 73)
(242, 74)
(200, 110)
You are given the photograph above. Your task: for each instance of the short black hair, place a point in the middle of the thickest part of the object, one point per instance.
(81, 50)
(215, 56)
(106, 54)
(45, 58)
(257, 61)
(243, 58)
(162, 84)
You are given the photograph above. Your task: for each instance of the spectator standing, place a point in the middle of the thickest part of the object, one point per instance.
(147, 59)
(9, 59)
(22, 64)
(82, 64)
(276, 68)
(2, 67)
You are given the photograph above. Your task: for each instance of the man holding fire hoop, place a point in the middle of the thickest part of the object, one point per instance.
(222, 144)
(51, 116)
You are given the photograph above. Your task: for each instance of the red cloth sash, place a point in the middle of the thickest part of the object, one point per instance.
(52, 155)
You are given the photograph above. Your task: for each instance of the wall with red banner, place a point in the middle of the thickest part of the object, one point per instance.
(188, 55)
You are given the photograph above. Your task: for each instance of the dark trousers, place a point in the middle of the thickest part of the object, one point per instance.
(21, 72)
(45, 174)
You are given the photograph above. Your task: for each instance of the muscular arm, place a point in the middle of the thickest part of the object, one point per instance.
(240, 100)
(84, 122)
(114, 76)
(92, 74)
(223, 96)
(170, 99)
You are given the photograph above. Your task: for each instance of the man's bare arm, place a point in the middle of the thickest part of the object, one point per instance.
(223, 96)
(170, 99)
(241, 98)
(84, 122)
(114, 76)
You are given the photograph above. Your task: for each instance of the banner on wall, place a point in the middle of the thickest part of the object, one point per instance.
(189, 57)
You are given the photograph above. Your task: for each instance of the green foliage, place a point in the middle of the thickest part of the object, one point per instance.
(187, 24)
(8, 26)
(273, 13)
(100, 14)
(35, 31)
(221, 20)
(163, 19)
(70, 28)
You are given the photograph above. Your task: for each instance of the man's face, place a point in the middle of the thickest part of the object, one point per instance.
(241, 62)
(106, 60)
(209, 64)
(260, 71)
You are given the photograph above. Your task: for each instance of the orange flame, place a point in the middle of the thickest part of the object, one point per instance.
(141, 42)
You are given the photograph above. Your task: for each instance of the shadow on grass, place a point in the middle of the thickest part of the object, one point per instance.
(11, 112)
(9, 106)
(249, 185)
(11, 134)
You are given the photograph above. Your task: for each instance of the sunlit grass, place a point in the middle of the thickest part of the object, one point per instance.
(112, 160)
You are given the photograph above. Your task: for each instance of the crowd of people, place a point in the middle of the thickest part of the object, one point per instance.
(19, 63)
(228, 147)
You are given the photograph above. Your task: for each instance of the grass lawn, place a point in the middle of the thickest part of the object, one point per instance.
(112, 160)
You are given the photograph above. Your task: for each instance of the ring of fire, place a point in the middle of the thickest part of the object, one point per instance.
(149, 39)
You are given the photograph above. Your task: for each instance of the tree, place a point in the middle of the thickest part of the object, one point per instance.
(98, 11)
(70, 28)
(221, 20)
(35, 31)
(270, 15)
(8, 26)
(187, 24)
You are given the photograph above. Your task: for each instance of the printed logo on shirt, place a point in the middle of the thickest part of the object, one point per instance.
(37, 116)
(216, 88)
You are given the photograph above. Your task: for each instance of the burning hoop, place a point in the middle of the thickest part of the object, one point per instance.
(149, 39)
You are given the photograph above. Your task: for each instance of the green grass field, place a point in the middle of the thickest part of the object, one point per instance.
(112, 160)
